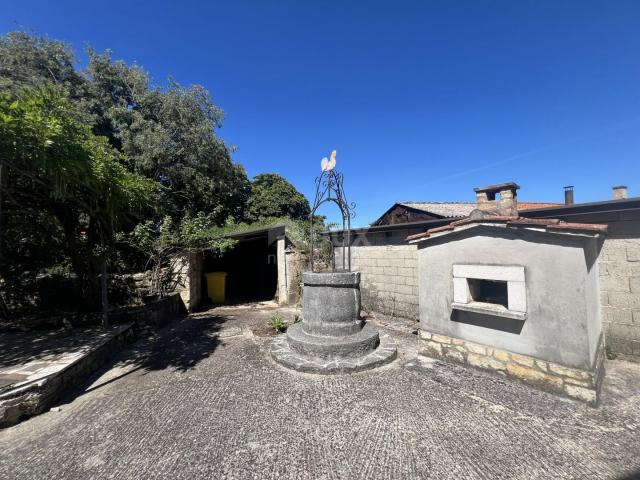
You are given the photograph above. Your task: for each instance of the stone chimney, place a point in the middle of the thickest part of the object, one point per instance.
(619, 192)
(568, 195)
(500, 200)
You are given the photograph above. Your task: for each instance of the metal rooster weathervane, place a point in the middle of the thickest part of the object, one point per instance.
(329, 189)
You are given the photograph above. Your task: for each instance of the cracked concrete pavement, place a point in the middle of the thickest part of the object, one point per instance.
(204, 400)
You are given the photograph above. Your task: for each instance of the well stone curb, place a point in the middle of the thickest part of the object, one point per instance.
(282, 353)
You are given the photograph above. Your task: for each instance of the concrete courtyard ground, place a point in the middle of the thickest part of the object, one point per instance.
(204, 400)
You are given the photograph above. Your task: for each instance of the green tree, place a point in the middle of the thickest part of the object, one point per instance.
(33, 61)
(167, 134)
(273, 196)
(53, 165)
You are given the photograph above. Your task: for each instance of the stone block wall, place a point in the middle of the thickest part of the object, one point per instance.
(620, 293)
(152, 316)
(295, 262)
(389, 278)
(291, 263)
(578, 384)
(188, 269)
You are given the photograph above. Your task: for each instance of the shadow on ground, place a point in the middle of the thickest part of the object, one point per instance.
(179, 347)
(18, 348)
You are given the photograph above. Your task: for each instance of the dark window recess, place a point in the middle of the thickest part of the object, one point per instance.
(489, 291)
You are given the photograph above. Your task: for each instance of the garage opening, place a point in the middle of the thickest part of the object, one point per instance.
(251, 268)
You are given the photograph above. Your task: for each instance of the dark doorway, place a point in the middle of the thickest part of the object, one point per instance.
(251, 267)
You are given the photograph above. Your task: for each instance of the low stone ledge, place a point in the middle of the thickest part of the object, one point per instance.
(577, 384)
(29, 398)
(32, 397)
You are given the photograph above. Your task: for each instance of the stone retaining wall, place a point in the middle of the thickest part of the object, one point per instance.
(578, 384)
(188, 268)
(151, 316)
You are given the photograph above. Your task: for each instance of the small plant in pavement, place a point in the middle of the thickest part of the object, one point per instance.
(276, 323)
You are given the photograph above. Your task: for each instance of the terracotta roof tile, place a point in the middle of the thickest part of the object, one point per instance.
(417, 236)
(579, 226)
(533, 205)
(549, 223)
(535, 221)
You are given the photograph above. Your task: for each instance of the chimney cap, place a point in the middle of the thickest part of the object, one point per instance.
(568, 187)
(619, 186)
(498, 187)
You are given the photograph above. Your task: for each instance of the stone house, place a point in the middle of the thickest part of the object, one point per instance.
(515, 295)
(388, 264)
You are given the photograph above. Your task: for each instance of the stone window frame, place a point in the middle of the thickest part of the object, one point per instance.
(513, 275)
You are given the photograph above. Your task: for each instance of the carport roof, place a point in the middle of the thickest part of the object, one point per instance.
(277, 229)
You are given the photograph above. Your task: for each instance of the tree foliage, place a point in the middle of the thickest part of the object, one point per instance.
(53, 165)
(33, 61)
(273, 196)
(166, 134)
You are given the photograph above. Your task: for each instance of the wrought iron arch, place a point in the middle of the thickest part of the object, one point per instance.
(329, 189)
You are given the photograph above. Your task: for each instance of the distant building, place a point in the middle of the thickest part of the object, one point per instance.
(407, 212)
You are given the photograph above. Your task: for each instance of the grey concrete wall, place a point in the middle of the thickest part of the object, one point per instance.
(620, 290)
(561, 272)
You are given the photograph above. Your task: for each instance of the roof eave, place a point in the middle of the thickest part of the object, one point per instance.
(580, 230)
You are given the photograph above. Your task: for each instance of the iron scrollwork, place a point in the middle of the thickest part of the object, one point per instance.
(329, 188)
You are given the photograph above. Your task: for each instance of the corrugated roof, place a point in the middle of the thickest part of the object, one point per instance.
(444, 209)
(463, 209)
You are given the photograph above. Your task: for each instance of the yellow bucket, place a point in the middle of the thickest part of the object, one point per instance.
(216, 282)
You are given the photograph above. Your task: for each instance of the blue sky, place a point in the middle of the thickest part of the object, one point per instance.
(423, 100)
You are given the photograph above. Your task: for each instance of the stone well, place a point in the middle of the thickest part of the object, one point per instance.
(332, 338)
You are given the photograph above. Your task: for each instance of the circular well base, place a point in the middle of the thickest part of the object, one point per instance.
(282, 353)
